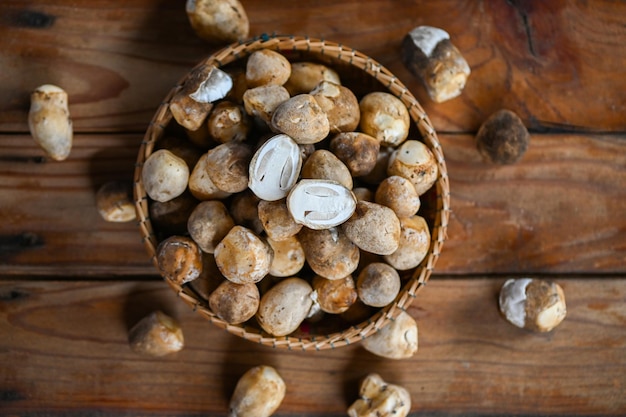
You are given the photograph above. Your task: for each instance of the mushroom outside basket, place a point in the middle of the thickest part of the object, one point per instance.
(362, 75)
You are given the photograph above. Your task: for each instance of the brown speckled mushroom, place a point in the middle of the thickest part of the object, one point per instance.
(397, 340)
(323, 164)
(288, 257)
(191, 105)
(156, 335)
(218, 21)
(378, 284)
(267, 67)
(329, 252)
(373, 228)
(200, 184)
(357, 150)
(242, 256)
(430, 55)
(414, 161)
(378, 398)
(228, 122)
(179, 259)
(384, 117)
(340, 105)
(209, 223)
(335, 296)
(502, 138)
(164, 175)
(302, 118)
(114, 201)
(49, 121)
(261, 102)
(258, 393)
(398, 193)
(277, 221)
(305, 76)
(413, 246)
(285, 306)
(227, 166)
(235, 303)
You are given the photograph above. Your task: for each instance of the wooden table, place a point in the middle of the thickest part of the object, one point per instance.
(72, 284)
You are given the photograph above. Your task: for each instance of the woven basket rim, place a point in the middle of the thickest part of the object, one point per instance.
(335, 51)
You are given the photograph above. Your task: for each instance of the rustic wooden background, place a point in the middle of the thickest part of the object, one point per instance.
(71, 284)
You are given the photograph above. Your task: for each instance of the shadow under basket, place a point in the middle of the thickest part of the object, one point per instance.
(362, 75)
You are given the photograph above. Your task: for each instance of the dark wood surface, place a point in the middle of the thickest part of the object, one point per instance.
(72, 284)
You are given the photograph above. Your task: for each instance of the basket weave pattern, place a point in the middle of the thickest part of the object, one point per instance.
(334, 53)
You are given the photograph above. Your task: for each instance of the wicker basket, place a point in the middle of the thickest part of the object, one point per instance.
(362, 74)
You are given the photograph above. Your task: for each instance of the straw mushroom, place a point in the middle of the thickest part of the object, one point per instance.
(242, 256)
(414, 161)
(357, 150)
(305, 76)
(244, 209)
(218, 21)
(385, 117)
(329, 252)
(156, 335)
(373, 228)
(209, 223)
(430, 55)
(258, 393)
(288, 257)
(285, 306)
(378, 284)
(335, 296)
(165, 176)
(228, 122)
(323, 164)
(235, 303)
(396, 340)
(200, 184)
(209, 279)
(502, 138)
(184, 149)
(340, 104)
(267, 67)
(179, 259)
(49, 121)
(170, 217)
(398, 193)
(532, 304)
(413, 245)
(261, 102)
(227, 166)
(114, 200)
(277, 221)
(381, 399)
(320, 204)
(205, 85)
(275, 168)
(302, 118)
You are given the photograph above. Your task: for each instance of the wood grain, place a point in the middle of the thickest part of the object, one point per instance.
(65, 352)
(561, 209)
(559, 64)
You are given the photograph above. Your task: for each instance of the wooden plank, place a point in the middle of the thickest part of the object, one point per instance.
(561, 209)
(65, 352)
(558, 64)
